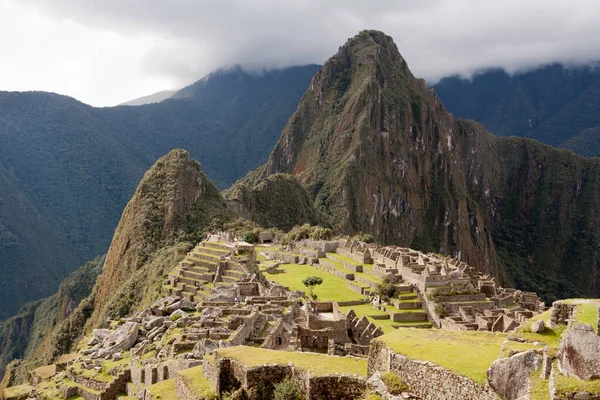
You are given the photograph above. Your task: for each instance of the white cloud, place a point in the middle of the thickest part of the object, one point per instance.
(120, 49)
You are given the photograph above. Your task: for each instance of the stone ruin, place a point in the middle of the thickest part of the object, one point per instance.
(217, 298)
(456, 295)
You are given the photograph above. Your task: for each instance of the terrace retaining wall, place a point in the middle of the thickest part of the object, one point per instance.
(426, 379)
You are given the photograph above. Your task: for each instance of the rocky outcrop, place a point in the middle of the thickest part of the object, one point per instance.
(579, 353)
(509, 377)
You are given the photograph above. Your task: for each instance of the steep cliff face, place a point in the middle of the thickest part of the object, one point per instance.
(171, 206)
(377, 152)
(26, 334)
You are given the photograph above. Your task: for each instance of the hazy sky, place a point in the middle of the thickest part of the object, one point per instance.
(104, 52)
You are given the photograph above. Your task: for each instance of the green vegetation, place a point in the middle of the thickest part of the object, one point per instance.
(307, 231)
(164, 390)
(17, 392)
(586, 311)
(363, 310)
(465, 352)
(504, 103)
(386, 289)
(199, 386)
(35, 322)
(550, 336)
(318, 364)
(566, 384)
(539, 387)
(69, 172)
(310, 282)
(287, 389)
(393, 383)
(333, 287)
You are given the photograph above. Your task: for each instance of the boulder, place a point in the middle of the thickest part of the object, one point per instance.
(538, 326)
(99, 336)
(117, 356)
(579, 353)
(183, 304)
(509, 377)
(179, 314)
(119, 340)
(153, 322)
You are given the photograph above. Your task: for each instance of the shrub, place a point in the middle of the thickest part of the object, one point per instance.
(440, 310)
(250, 237)
(364, 237)
(287, 389)
(386, 289)
(393, 383)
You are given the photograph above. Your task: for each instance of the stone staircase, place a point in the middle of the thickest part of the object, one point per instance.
(194, 277)
(407, 310)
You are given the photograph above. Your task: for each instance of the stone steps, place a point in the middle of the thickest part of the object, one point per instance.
(198, 269)
(409, 315)
(230, 279)
(406, 304)
(195, 275)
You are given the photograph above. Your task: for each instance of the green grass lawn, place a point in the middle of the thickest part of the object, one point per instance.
(385, 324)
(345, 259)
(550, 336)
(566, 384)
(468, 353)
(195, 381)
(318, 364)
(587, 311)
(333, 287)
(164, 390)
(363, 309)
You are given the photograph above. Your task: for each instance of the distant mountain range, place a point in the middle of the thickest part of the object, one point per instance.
(67, 169)
(151, 98)
(554, 104)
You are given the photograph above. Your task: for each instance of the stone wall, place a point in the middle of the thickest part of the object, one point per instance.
(561, 313)
(336, 387)
(277, 333)
(245, 330)
(429, 381)
(259, 381)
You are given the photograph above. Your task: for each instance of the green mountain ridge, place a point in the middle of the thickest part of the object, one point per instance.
(554, 104)
(67, 169)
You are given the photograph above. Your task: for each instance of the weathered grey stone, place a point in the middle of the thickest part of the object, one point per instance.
(119, 340)
(538, 326)
(153, 322)
(117, 356)
(579, 353)
(179, 314)
(183, 304)
(99, 336)
(509, 377)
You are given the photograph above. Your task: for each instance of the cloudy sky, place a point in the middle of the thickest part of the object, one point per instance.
(104, 52)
